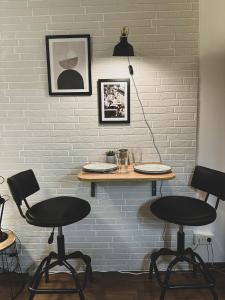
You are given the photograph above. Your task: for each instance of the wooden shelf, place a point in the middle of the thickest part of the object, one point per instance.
(131, 175)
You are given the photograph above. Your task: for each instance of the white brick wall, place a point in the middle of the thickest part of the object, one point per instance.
(55, 136)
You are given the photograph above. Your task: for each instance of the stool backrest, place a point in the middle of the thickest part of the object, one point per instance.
(210, 181)
(23, 185)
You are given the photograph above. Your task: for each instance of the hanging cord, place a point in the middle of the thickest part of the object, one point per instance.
(164, 232)
(213, 266)
(212, 253)
(2, 179)
(131, 71)
(51, 237)
(207, 247)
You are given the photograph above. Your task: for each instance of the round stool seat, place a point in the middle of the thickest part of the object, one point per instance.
(183, 210)
(58, 211)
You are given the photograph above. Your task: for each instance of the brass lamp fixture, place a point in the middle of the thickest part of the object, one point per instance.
(123, 48)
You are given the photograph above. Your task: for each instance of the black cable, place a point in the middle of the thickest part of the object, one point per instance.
(212, 253)
(207, 252)
(164, 232)
(195, 247)
(3, 196)
(3, 179)
(131, 71)
(160, 189)
(51, 237)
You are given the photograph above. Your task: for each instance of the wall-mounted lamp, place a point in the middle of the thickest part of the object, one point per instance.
(123, 48)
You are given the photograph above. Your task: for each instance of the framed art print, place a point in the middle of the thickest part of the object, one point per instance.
(69, 64)
(114, 100)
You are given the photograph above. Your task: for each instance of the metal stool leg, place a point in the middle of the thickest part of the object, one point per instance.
(75, 278)
(167, 278)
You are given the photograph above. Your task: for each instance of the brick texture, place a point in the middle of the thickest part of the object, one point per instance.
(55, 136)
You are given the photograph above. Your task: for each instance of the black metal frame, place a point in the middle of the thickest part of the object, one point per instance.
(181, 255)
(60, 260)
(154, 188)
(87, 39)
(101, 101)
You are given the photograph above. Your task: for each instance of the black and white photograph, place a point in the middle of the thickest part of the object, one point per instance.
(69, 64)
(114, 100)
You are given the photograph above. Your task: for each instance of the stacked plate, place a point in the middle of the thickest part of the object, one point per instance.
(152, 169)
(100, 167)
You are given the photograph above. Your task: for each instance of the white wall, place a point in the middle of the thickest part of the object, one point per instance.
(56, 135)
(211, 150)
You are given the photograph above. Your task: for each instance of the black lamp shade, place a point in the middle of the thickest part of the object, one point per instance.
(123, 48)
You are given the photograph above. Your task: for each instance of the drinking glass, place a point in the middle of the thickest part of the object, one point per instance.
(136, 155)
(122, 160)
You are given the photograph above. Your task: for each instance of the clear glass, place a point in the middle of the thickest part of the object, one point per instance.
(136, 155)
(122, 156)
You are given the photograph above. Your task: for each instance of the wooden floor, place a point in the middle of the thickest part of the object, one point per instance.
(117, 286)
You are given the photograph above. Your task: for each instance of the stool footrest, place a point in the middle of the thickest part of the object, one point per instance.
(189, 256)
(53, 291)
(53, 260)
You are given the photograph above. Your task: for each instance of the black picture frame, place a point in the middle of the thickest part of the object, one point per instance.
(69, 64)
(114, 100)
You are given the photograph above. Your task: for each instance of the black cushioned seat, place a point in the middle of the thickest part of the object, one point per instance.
(53, 212)
(183, 210)
(58, 211)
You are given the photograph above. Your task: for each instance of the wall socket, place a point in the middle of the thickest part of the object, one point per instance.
(203, 239)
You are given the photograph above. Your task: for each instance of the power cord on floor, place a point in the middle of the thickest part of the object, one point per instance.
(213, 266)
(133, 273)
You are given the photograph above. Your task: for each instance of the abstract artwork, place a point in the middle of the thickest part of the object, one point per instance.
(69, 64)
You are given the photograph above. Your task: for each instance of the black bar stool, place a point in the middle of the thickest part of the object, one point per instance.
(53, 212)
(188, 211)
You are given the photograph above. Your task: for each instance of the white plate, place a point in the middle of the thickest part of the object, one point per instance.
(152, 168)
(99, 167)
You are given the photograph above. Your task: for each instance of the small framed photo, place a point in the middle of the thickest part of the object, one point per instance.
(69, 64)
(114, 100)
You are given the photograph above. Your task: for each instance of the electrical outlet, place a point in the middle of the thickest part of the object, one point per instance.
(203, 239)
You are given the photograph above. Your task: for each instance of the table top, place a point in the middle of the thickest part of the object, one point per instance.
(9, 241)
(131, 175)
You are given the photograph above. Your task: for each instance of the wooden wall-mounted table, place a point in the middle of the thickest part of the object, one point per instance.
(119, 177)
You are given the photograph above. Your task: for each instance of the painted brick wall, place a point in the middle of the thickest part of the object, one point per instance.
(55, 136)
